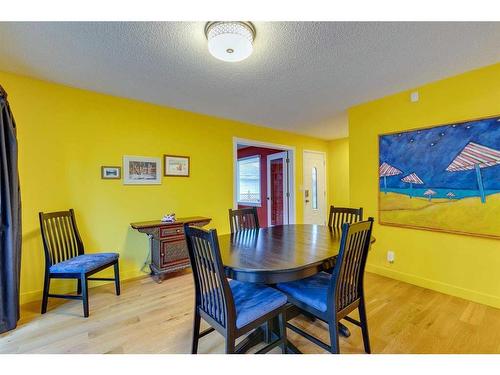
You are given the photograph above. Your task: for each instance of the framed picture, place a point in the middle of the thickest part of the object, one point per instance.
(177, 166)
(140, 170)
(443, 178)
(111, 173)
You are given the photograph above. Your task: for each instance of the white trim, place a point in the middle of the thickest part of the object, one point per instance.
(278, 155)
(323, 153)
(468, 294)
(251, 142)
(291, 177)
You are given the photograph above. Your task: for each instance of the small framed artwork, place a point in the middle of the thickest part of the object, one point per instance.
(141, 170)
(176, 166)
(111, 173)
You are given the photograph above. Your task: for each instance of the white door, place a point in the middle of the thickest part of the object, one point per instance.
(277, 189)
(314, 191)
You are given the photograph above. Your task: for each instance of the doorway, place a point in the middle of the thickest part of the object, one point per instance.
(263, 178)
(314, 187)
(277, 178)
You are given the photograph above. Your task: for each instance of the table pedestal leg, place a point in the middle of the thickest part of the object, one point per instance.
(291, 348)
(344, 331)
(254, 338)
(259, 335)
(293, 311)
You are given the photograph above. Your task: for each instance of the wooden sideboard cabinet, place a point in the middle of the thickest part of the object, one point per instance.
(167, 244)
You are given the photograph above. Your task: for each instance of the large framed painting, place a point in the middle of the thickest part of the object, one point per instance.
(443, 178)
(140, 170)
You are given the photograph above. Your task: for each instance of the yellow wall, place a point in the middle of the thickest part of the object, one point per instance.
(65, 135)
(338, 172)
(460, 265)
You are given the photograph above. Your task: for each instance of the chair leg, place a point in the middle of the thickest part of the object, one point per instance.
(269, 332)
(282, 324)
(230, 344)
(196, 332)
(45, 297)
(85, 296)
(333, 327)
(78, 286)
(364, 325)
(117, 279)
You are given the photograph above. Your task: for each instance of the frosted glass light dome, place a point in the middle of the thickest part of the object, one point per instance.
(230, 41)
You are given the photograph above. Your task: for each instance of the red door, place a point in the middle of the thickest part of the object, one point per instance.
(276, 184)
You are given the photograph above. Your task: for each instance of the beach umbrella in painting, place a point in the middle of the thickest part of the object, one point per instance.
(385, 170)
(475, 156)
(451, 195)
(429, 193)
(412, 179)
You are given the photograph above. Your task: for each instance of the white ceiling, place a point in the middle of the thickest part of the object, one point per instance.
(301, 77)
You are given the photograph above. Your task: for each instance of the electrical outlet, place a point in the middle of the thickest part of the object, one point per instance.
(390, 256)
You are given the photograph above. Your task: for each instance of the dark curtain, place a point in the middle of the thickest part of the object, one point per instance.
(10, 219)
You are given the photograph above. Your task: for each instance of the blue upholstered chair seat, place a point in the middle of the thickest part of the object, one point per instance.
(253, 301)
(312, 291)
(83, 263)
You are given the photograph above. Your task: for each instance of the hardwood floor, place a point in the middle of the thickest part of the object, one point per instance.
(157, 318)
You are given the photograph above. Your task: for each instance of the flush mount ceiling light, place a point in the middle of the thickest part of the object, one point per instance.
(230, 41)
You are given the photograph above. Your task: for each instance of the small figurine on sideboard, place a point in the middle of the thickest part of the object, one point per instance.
(169, 218)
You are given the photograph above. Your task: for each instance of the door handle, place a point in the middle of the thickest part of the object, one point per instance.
(307, 200)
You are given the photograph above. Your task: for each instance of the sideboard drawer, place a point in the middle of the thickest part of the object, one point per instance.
(173, 252)
(171, 230)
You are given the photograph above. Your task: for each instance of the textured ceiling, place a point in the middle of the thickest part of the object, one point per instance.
(301, 77)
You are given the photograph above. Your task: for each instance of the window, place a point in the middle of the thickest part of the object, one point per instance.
(314, 188)
(248, 181)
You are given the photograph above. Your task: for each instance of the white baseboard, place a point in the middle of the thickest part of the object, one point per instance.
(468, 294)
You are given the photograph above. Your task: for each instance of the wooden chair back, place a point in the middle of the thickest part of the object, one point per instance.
(213, 294)
(347, 277)
(243, 218)
(60, 237)
(340, 215)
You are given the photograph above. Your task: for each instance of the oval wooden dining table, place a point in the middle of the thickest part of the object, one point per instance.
(279, 254)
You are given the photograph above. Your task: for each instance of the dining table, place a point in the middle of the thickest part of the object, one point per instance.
(279, 254)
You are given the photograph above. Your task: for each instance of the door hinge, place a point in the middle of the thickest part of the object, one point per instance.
(287, 160)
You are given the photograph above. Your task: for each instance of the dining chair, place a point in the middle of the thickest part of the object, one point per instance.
(331, 297)
(65, 258)
(243, 218)
(340, 215)
(231, 307)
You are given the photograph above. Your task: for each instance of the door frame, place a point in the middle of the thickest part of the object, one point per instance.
(323, 153)
(278, 155)
(292, 209)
